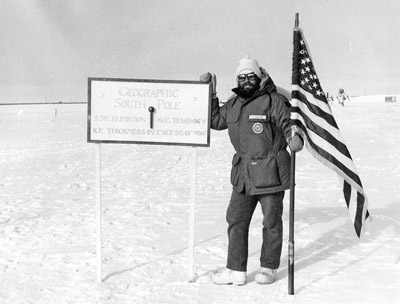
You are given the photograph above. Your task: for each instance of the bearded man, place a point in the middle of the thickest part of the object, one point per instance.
(259, 127)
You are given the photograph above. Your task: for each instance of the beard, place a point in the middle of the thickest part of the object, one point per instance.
(248, 88)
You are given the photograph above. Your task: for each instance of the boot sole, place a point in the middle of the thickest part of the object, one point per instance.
(265, 283)
(230, 283)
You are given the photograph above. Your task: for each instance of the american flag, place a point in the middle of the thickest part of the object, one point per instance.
(312, 117)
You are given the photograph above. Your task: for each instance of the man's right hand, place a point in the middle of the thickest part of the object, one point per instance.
(208, 77)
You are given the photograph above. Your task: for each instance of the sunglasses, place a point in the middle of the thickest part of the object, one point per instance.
(251, 76)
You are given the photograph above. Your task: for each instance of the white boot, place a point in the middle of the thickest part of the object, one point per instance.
(265, 276)
(227, 277)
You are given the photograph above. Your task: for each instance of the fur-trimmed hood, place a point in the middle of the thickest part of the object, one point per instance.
(267, 84)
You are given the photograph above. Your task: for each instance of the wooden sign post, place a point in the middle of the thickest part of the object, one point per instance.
(148, 112)
(98, 210)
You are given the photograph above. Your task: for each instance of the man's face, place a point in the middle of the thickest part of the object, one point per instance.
(248, 84)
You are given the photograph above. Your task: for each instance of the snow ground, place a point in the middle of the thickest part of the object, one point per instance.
(47, 217)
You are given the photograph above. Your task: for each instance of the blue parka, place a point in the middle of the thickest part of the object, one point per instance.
(259, 128)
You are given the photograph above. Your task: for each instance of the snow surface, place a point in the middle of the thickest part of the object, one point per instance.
(48, 231)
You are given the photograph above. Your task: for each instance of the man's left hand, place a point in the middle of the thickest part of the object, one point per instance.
(296, 143)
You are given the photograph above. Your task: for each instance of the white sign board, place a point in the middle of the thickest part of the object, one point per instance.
(149, 111)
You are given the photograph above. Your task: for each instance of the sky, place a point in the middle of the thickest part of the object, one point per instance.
(50, 48)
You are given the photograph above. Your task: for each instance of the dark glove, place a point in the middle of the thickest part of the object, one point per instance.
(296, 143)
(208, 77)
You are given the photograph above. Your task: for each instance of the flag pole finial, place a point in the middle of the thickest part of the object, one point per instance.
(296, 22)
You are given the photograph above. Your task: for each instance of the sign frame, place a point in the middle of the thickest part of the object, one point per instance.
(149, 81)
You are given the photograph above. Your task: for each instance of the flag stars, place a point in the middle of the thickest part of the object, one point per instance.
(307, 77)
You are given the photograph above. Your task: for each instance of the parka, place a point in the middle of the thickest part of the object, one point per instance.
(259, 128)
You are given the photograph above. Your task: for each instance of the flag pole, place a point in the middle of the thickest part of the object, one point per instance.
(291, 225)
(291, 211)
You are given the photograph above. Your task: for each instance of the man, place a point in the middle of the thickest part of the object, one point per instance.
(341, 97)
(259, 127)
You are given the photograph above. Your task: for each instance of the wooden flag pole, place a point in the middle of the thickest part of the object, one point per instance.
(291, 211)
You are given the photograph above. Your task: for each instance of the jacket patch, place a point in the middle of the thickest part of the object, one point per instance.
(258, 128)
(258, 117)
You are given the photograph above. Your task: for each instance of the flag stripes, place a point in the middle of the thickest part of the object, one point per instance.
(319, 148)
(312, 117)
(357, 210)
(313, 123)
(321, 109)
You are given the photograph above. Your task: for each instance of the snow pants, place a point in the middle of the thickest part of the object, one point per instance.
(238, 216)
